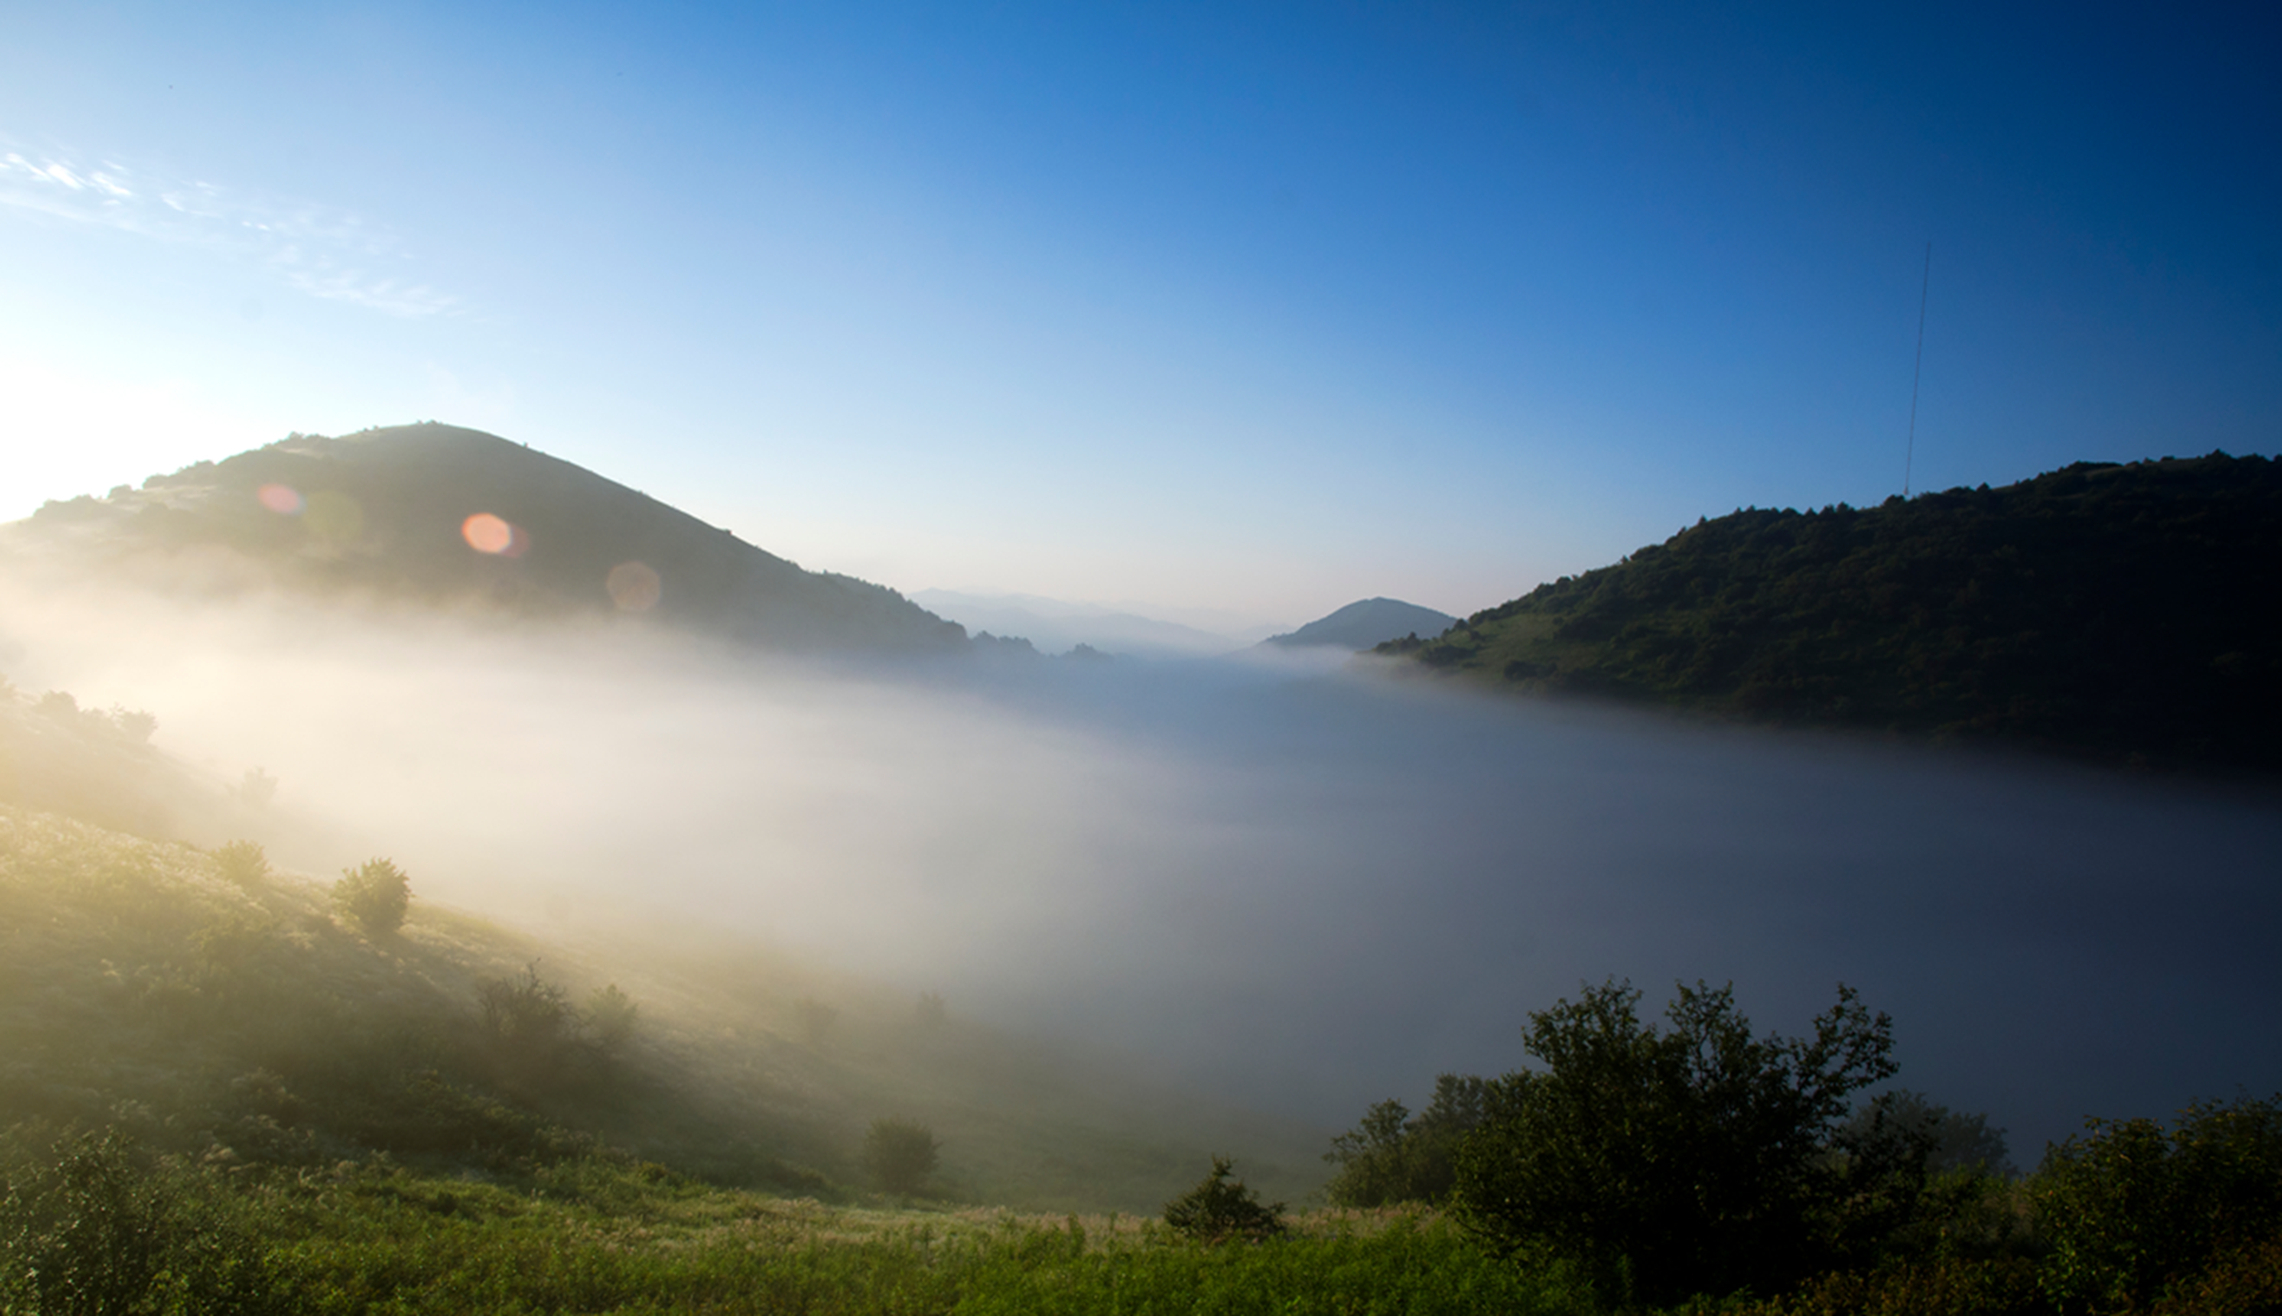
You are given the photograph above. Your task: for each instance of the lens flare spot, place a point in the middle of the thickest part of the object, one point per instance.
(634, 587)
(282, 499)
(486, 533)
(334, 516)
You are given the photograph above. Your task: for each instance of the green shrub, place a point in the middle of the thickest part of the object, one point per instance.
(241, 862)
(2131, 1209)
(1216, 1209)
(92, 1227)
(900, 1154)
(376, 895)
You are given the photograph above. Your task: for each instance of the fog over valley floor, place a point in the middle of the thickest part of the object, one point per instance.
(1298, 886)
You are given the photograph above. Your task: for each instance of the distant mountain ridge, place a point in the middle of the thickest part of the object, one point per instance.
(1365, 623)
(1055, 626)
(393, 512)
(2127, 613)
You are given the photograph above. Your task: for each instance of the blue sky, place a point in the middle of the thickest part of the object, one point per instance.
(1250, 308)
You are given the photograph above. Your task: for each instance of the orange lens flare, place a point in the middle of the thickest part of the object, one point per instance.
(280, 498)
(486, 533)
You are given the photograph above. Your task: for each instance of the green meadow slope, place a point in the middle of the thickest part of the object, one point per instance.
(236, 1014)
(2121, 613)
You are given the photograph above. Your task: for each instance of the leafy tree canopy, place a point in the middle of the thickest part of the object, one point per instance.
(1699, 1158)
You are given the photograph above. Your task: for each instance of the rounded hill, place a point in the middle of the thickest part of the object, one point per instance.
(456, 516)
(2129, 613)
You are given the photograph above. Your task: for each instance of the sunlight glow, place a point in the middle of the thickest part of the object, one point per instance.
(486, 533)
(281, 499)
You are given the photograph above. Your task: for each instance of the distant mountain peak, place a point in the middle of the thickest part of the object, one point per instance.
(1364, 624)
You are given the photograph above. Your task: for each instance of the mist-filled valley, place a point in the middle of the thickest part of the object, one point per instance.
(1160, 660)
(1294, 886)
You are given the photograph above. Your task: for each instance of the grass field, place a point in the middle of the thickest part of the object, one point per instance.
(598, 1235)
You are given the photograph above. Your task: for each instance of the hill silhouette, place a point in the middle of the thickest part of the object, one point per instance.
(1365, 623)
(456, 516)
(2126, 613)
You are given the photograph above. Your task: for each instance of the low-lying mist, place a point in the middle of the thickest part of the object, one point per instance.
(1305, 888)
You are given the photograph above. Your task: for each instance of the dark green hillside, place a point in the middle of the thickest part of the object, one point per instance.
(2123, 613)
(382, 512)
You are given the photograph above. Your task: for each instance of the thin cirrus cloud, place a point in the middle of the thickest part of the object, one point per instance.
(320, 251)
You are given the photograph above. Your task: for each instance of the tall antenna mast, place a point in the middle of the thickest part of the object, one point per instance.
(1909, 454)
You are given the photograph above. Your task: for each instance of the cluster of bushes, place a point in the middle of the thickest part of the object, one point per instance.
(93, 1223)
(132, 725)
(1702, 1161)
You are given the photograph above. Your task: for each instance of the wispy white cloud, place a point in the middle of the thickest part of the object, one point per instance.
(319, 250)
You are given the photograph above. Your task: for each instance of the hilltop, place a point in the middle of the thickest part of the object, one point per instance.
(1365, 623)
(456, 517)
(2124, 613)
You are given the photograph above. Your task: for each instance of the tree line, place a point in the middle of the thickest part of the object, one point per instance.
(1701, 1159)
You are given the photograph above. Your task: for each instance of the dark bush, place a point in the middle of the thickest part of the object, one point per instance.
(900, 1154)
(1216, 1209)
(1697, 1160)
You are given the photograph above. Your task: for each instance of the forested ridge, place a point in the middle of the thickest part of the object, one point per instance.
(2125, 613)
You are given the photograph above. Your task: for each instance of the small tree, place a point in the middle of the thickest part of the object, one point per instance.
(1697, 1160)
(1393, 1156)
(900, 1154)
(1216, 1209)
(376, 895)
(611, 1013)
(526, 1013)
(531, 1029)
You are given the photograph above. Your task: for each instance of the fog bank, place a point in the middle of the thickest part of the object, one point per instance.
(1302, 888)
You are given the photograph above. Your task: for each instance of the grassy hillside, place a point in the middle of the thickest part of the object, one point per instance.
(2123, 613)
(387, 511)
(236, 1013)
